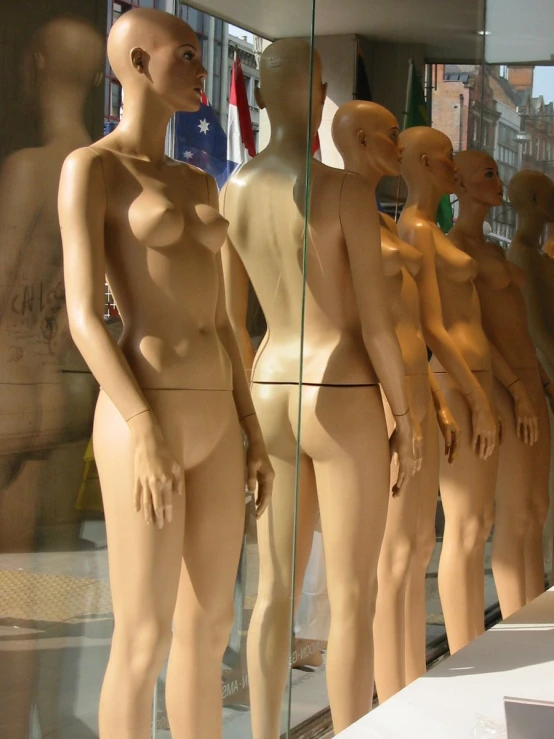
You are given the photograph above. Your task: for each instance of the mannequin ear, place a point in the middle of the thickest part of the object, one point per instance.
(38, 60)
(98, 79)
(361, 137)
(138, 59)
(534, 197)
(460, 184)
(259, 98)
(425, 160)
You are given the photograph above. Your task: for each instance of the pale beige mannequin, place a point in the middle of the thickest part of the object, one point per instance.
(452, 328)
(349, 346)
(366, 135)
(524, 456)
(41, 407)
(173, 391)
(532, 196)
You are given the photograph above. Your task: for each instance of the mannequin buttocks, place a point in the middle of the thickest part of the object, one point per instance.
(522, 483)
(366, 135)
(167, 438)
(452, 327)
(349, 345)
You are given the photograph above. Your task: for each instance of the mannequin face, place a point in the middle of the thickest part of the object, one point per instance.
(478, 178)
(532, 194)
(428, 159)
(173, 67)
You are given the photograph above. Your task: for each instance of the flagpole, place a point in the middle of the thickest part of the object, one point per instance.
(408, 91)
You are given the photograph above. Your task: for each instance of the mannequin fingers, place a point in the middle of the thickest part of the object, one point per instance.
(519, 427)
(147, 507)
(158, 501)
(252, 477)
(178, 480)
(536, 425)
(167, 498)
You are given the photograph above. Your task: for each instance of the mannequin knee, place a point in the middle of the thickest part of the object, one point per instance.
(395, 561)
(469, 532)
(539, 511)
(143, 647)
(425, 546)
(353, 606)
(206, 628)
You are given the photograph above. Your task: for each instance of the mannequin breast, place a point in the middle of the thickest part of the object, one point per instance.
(502, 306)
(264, 203)
(404, 300)
(460, 302)
(161, 242)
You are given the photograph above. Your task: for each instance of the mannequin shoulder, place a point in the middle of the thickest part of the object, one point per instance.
(388, 223)
(417, 232)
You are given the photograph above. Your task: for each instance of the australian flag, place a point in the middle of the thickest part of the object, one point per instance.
(200, 140)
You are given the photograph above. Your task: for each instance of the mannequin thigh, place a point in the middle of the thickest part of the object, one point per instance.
(344, 433)
(145, 563)
(277, 408)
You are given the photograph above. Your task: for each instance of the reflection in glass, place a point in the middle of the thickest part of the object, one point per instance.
(46, 396)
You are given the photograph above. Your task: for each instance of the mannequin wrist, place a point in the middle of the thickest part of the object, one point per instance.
(141, 423)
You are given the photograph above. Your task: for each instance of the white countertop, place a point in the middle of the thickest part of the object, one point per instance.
(464, 693)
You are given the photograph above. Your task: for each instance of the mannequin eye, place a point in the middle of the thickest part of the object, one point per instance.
(489, 173)
(189, 55)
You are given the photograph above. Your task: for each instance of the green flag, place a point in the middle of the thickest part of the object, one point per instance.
(417, 116)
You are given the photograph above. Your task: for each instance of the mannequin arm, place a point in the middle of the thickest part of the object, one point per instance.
(236, 290)
(82, 205)
(361, 229)
(548, 387)
(540, 332)
(82, 209)
(527, 422)
(441, 344)
(20, 206)
(260, 471)
(447, 423)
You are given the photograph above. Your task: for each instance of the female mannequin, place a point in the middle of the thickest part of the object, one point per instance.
(173, 391)
(452, 329)
(522, 482)
(44, 402)
(349, 345)
(366, 136)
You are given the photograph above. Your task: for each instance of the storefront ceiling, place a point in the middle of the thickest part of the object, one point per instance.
(520, 31)
(448, 29)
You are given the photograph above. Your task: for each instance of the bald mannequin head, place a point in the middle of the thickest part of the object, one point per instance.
(285, 83)
(366, 135)
(427, 158)
(532, 194)
(158, 54)
(478, 178)
(65, 51)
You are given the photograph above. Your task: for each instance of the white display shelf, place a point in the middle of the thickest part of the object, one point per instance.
(462, 698)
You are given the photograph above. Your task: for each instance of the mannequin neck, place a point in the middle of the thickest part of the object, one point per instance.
(142, 129)
(62, 113)
(355, 163)
(289, 141)
(425, 198)
(471, 217)
(530, 228)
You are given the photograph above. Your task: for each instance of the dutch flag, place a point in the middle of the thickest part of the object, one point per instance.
(241, 144)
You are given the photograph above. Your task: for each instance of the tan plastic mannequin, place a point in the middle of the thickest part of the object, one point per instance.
(41, 406)
(452, 328)
(349, 346)
(366, 135)
(532, 196)
(522, 482)
(173, 391)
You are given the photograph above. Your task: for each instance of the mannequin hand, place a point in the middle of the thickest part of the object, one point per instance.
(157, 474)
(406, 447)
(527, 422)
(260, 474)
(450, 431)
(484, 425)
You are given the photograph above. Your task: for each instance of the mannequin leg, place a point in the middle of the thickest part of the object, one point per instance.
(269, 634)
(204, 613)
(514, 489)
(398, 552)
(540, 500)
(344, 432)
(466, 486)
(143, 600)
(426, 538)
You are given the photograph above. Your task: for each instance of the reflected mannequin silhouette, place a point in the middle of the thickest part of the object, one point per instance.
(524, 455)
(46, 396)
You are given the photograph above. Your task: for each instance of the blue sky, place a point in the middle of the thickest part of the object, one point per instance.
(543, 83)
(236, 31)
